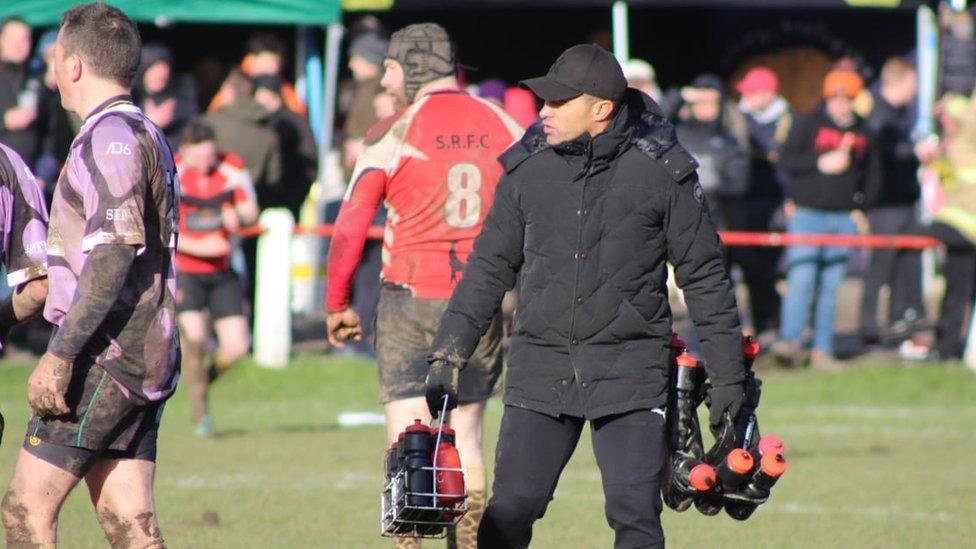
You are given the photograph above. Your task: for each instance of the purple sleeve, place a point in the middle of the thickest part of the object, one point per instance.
(24, 221)
(116, 187)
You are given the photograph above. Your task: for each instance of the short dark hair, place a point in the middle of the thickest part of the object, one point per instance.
(261, 42)
(105, 37)
(196, 131)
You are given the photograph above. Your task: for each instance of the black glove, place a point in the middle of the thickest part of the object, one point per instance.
(442, 380)
(724, 399)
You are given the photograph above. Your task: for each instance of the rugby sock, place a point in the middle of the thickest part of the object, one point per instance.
(195, 377)
(465, 534)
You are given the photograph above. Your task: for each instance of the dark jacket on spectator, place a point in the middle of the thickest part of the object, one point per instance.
(892, 127)
(362, 115)
(814, 134)
(180, 89)
(299, 158)
(723, 165)
(585, 229)
(244, 128)
(13, 81)
(57, 132)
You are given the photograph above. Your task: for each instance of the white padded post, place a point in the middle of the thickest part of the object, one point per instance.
(272, 310)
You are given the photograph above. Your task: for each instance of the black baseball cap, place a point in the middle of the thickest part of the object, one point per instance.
(585, 68)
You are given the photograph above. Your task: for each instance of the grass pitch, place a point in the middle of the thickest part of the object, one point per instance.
(880, 456)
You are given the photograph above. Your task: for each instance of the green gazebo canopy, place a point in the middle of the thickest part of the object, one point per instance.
(283, 12)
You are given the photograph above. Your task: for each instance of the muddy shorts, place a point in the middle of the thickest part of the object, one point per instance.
(405, 329)
(219, 293)
(103, 423)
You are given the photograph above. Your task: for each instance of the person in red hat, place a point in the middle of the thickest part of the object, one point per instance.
(834, 167)
(768, 118)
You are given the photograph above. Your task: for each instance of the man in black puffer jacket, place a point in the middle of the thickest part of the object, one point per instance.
(594, 201)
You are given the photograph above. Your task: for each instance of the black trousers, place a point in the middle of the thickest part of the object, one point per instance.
(960, 289)
(758, 263)
(534, 448)
(900, 269)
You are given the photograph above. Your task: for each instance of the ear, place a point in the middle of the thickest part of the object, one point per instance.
(75, 67)
(603, 110)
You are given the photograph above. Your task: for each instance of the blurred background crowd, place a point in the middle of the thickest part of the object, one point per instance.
(798, 126)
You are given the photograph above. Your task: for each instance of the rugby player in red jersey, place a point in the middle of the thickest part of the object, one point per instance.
(434, 164)
(216, 198)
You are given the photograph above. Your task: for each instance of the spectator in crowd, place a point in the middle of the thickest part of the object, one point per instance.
(864, 102)
(834, 167)
(640, 75)
(19, 93)
(723, 170)
(955, 222)
(57, 127)
(894, 212)
(299, 155)
(366, 64)
(243, 127)
(265, 55)
(216, 198)
(768, 119)
(170, 101)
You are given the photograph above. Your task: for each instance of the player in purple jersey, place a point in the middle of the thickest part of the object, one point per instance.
(98, 391)
(23, 243)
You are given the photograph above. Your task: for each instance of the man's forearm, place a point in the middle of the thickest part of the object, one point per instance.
(101, 281)
(26, 301)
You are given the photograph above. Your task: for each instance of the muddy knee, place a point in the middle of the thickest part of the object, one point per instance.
(15, 521)
(130, 532)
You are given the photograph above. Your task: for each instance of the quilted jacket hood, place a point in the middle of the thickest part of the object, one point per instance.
(639, 122)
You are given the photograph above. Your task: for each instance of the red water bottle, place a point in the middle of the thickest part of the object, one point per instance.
(750, 350)
(771, 444)
(735, 469)
(450, 482)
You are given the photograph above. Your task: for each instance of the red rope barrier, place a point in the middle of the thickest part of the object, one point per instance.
(743, 238)
(729, 238)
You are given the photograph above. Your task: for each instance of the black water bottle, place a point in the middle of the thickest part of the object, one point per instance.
(392, 462)
(735, 470)
(771, 467)
(420, 476)
(709, 505)
(688, 475)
